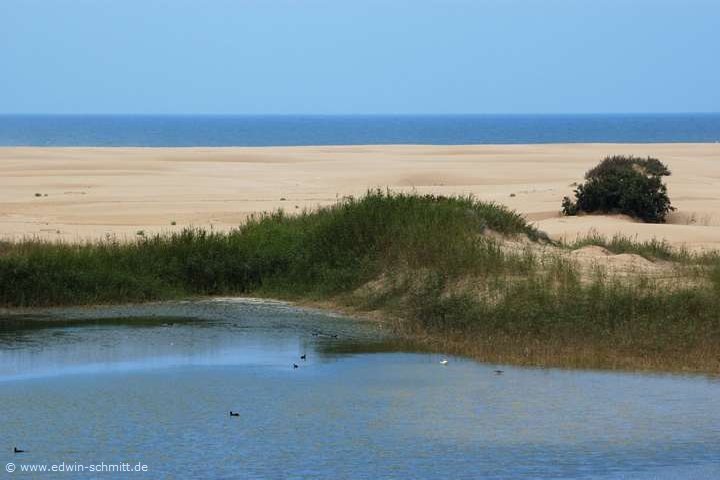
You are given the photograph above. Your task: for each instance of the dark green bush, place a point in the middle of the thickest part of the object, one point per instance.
(628, 185)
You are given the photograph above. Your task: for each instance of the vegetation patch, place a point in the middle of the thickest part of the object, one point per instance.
(439, 265)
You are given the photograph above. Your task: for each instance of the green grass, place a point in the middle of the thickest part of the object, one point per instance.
(330, 250)
(652, 249)
(423, 259)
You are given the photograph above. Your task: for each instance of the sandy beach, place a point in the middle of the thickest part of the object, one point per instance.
(89, 193)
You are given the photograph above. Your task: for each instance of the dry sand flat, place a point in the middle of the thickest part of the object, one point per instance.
(93, 192)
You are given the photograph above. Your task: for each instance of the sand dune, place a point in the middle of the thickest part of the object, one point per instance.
(94, 192)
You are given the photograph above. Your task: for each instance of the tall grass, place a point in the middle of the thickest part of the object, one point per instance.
(333, 249)
(424, 259)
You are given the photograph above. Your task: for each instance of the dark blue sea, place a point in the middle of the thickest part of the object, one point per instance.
(216, 131)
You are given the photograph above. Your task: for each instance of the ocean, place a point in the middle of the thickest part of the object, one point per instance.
(293, 130)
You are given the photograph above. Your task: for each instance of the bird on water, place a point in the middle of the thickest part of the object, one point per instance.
(234, 414)
(303, 356)
(498, 372)
(295, 365)
(17, 450)
(443, 362)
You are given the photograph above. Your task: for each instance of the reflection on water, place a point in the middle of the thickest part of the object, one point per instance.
(215, 332)
(154, 384)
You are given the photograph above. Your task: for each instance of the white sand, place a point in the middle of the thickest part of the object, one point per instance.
(92, 192)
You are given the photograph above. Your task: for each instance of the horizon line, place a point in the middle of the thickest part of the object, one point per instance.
(450, 114)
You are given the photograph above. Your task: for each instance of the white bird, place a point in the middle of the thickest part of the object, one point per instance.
(443, 362)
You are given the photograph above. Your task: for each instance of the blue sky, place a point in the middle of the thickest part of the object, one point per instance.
(359, 56)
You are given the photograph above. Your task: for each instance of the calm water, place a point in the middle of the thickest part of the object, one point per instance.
(183, 131)
(157, 389)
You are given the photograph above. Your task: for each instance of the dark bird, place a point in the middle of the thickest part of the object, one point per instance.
(303, 357)
(17, 450)
(234, 414)
(498, 372)
(295, 365)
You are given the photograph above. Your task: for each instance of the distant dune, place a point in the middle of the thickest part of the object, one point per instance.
(79, 193)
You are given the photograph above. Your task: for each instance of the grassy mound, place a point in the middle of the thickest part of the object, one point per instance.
(437, 263)
(326, 251)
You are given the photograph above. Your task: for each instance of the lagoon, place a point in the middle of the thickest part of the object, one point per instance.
(154, 384)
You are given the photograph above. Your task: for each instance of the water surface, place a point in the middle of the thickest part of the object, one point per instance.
(154, 384)
(287, 130)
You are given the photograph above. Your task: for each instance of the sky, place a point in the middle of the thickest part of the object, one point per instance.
(359, 56)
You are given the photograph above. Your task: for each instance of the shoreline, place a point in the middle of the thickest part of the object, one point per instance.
(518, 352)
(96, 192)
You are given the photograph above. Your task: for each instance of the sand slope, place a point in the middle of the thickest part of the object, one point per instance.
(93, 192)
